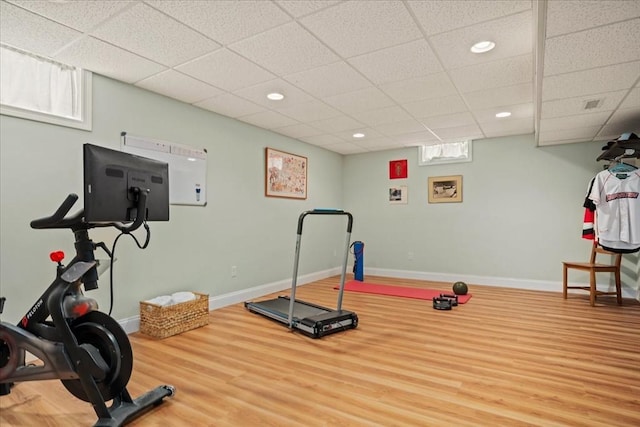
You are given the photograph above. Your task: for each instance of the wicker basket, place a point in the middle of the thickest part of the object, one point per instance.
(162, 322)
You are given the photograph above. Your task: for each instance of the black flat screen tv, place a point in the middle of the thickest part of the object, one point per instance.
(113, 180)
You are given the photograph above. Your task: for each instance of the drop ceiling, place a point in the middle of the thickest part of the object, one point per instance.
(400, 72)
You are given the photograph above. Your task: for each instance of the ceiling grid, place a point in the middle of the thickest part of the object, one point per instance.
(401, 72)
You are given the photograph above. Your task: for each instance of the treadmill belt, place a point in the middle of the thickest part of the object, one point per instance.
(281, 306)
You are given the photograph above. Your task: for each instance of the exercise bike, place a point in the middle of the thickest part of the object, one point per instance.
(84, 348)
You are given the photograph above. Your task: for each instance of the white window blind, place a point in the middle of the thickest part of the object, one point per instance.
(445, 152)
(37, 88)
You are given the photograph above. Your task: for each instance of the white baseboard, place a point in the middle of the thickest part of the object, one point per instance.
(132, 324)
(534, 285)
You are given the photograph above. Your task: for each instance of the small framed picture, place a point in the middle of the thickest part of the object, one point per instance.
(398, 169)
(285, 175)
(445, 189)
(398, 195)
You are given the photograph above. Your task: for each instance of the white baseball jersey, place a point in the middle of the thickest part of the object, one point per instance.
(617, 203)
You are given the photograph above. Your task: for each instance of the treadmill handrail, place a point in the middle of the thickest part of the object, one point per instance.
(294, 278)
(325, 212)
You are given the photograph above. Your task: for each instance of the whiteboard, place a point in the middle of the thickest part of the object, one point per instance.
(187, 167)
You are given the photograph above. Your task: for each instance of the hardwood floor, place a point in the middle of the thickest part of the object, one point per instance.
(506, 358)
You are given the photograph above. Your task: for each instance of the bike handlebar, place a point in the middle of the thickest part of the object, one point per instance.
(54, 220)
(58, 220)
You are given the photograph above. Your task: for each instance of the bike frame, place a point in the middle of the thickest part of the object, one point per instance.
(54, 341)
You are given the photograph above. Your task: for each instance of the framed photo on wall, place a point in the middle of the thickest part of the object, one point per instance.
(398, 195)
(445, 189)
(285, 174)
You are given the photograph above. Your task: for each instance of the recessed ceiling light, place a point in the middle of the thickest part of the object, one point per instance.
(483, 46)
(358, 135)
(503, 114)
(275, 96)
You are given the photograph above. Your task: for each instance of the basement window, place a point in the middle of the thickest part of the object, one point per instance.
(445, 152)
(36, 88)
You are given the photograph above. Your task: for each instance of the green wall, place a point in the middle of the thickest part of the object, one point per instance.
(41, 164)
(520, 217)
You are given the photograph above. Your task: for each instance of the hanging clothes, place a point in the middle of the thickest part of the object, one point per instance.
(588, 222)
(616, 196)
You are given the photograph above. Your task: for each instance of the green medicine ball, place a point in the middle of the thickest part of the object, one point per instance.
(460, 288)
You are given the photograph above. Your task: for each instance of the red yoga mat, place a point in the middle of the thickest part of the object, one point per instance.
(398, 291)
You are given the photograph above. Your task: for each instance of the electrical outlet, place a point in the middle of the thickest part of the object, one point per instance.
(410, 256)
(234, 271)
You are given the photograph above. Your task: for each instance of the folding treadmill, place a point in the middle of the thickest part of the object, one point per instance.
(311, 319)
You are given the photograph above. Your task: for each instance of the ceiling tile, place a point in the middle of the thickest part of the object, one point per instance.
(299, 8)
(176, 85)
(504, 72)
(574, 122)
(440, 16)
(517, 112)
(500, 96)
(359, 100)
(225, 21)
(301, 51)
(329, 80)
(428, 87)
(632, 100)
(258, 94)
(460, 132)
(230, 105)
(510, 126)
(226, 70)
(512, 36)
(569, 16)
(436, 107)
(415, 138)
(357, 27)
(31, 32)
(153, 35)
(551, 142)
(630, 117)
(626, 121)
(80, 15)
(337, 124)
(383, 116)
(311, 111)
(321, 140)
(347, 135)
(298, 131)
(592, 48)
(399, 128)
(448, 120)
(381, 143)
(346, 148)
(572, 106)
(597, 80)
(401, 62)
(103, 58)
(586, 134)
(268, 120)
